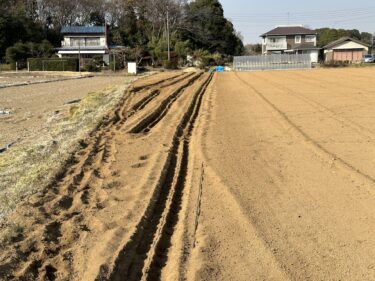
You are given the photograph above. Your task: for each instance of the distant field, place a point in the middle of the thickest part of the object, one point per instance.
(33, 105)
(24, 78)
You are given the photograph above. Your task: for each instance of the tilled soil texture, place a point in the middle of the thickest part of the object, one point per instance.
(289, 179)
(232, 176)
(111, 214)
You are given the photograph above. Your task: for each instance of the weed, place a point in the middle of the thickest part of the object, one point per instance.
(11, 234)
(112, 184)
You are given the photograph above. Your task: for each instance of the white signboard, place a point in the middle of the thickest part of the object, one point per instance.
(132, 68)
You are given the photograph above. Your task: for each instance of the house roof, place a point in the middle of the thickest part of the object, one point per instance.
(83, 29)
(289, 30)
(343, 40)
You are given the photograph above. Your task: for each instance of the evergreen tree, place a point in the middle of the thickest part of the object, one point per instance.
(207, 28)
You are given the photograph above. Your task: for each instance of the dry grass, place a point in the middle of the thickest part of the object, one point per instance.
(31, 165)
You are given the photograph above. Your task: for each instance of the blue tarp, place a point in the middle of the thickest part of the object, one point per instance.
(220, 69)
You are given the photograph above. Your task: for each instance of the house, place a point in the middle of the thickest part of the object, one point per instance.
(86, 41)
(345, 49)
(291, 40)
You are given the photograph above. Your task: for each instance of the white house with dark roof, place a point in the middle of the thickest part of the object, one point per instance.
(87, 41)
(291, 40)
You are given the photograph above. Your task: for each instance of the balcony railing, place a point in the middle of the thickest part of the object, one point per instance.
(278, 45)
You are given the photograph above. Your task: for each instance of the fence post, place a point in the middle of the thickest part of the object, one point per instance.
(114, 62)
(16, 66)
(28, 65)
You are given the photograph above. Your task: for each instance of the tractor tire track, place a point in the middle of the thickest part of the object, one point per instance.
(136, 89)
(145, 125)
(144, 256)
(163, 83)
(123, 113)
(77, 189)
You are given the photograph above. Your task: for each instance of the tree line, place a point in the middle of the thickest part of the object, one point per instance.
(32, 27)
(327, 35)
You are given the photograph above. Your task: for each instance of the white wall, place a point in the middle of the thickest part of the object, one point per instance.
(314, 54)
(66, 42)
(350, 45)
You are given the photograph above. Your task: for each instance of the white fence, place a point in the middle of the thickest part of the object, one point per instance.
(272, 62)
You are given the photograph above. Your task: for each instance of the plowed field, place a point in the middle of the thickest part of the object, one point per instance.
(231, 176)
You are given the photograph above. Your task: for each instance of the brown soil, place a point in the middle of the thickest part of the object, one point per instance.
(289, 181)
(32, 106)
(109, 212)
(248, 176)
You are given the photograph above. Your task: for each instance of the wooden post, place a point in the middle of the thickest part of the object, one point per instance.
(168, 36)
(79, 57)
(114, 62)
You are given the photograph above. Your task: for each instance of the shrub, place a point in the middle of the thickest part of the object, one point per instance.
(5, 67)
(91, 66)
(53, 64)
(172, 64)
(19, 52)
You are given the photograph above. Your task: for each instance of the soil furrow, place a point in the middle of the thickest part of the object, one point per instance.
(360, 130)
(160, 258)
(146, 251)
(56, 199)
(148, 86)
(145, 125)
(142, 103)
(124, 110)
(309, 139)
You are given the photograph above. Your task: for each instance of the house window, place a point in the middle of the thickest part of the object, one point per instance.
(310, 38)
(75, 42)
(298, 39)
(85, 42)
(95, 41)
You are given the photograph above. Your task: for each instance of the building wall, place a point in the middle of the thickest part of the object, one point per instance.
(291, 40)
(348, 55)
(67, 39)
(352, 55)
(350, 45)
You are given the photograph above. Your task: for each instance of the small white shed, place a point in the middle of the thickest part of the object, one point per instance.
(132, 68)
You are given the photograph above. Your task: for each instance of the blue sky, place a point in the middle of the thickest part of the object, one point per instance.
(253, 18)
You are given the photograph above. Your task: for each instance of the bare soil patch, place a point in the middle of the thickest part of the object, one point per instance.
(194, 176)
(32, 107)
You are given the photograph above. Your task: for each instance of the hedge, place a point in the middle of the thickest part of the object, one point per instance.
(56, 64)
(5, 67)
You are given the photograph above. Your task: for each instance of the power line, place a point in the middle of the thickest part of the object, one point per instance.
(316, 13)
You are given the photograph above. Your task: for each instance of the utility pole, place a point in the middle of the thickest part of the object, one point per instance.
(168, 39)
